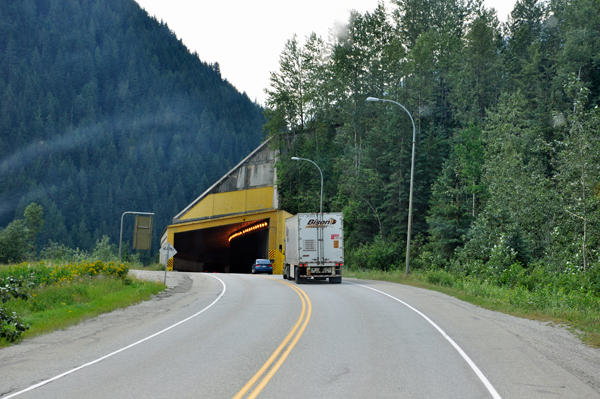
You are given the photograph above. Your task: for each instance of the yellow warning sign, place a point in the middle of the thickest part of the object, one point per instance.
(170, 265)
(336, 243)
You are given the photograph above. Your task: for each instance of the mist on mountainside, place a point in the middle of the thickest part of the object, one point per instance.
(103, 110)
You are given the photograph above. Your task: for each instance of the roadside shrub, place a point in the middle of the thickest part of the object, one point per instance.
(429, 260)
(593, 279)
(511, 276)
(378, 255)
(11, 325)
(465, 268)
(61, 253)
(104, 251)
(440, 277)
(534, 287)
(502, 256)
(532, 278)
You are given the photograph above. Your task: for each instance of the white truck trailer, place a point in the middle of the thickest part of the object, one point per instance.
(314, 247)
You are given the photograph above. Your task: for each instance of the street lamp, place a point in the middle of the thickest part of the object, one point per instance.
(321, 253)
(304, 159)
(412, 176)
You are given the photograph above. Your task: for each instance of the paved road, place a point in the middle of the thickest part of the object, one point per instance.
(210, 334)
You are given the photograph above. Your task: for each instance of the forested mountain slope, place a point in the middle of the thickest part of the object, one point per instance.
(103, 110)
(507, 167)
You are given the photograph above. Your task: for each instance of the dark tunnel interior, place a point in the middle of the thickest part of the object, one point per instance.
(209, 250)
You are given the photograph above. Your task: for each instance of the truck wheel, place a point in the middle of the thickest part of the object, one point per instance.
(335, 280)
(297, 276)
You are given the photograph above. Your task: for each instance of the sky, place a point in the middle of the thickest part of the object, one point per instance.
(246, 37)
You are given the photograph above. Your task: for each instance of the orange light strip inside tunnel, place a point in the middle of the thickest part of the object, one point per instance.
(249, 229)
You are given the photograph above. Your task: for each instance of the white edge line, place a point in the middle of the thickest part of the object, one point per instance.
(31, 388)
(485, 381)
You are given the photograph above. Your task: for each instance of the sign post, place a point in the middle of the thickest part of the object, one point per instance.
(169, 251)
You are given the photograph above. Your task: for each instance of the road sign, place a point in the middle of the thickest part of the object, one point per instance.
(142, 232)
(134, 239)
(168, 251)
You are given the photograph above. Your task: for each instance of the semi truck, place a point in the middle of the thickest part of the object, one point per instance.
(314, 247)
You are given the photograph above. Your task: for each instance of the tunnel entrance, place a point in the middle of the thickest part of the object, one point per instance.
(224, 249)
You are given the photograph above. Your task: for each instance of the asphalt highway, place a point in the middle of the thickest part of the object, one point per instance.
(244, 336)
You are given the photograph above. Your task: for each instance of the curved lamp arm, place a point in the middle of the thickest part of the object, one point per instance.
(304, 159)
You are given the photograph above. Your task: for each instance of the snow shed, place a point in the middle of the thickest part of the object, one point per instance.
(234, 222)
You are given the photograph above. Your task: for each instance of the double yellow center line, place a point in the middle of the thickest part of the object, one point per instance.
(295, 333)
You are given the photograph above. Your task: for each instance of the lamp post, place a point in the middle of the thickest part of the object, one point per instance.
(304, 159)
(412, 176)
(320, 228)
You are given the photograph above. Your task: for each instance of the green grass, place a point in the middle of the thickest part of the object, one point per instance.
(577, 311)
(59, 306)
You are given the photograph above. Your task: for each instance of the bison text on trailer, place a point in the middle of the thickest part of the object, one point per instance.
(308, 257)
